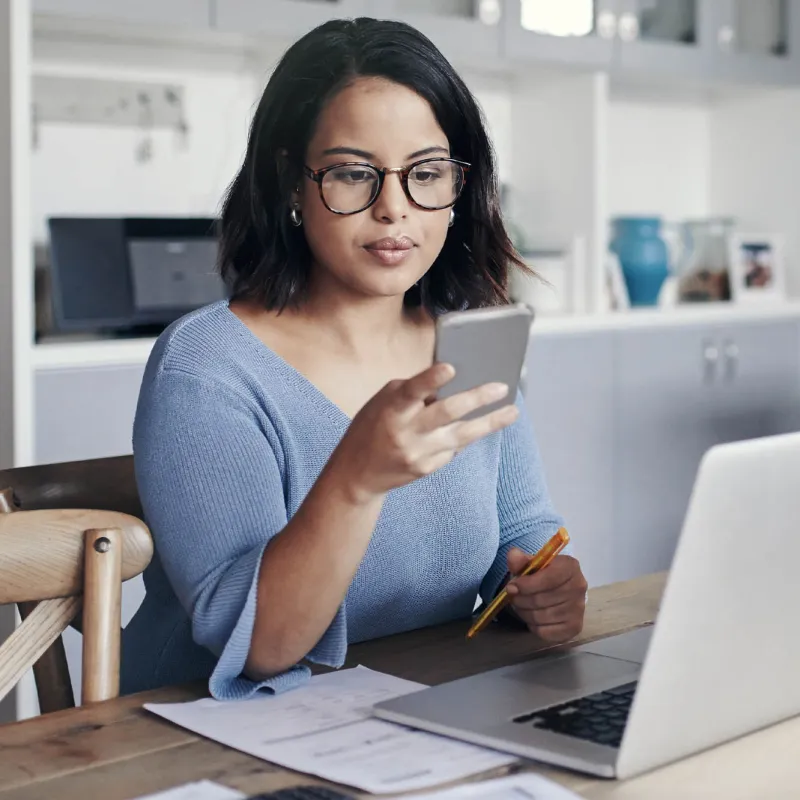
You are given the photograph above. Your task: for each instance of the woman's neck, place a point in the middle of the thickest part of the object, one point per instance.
(342, 325)
(358, 325)
(376, 322)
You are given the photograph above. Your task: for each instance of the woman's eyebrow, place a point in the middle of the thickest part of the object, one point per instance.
(347, 151)
(429, 151)
(354, 151)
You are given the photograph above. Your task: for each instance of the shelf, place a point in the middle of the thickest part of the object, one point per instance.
(98, 353)
(111, 353)
(687, 315)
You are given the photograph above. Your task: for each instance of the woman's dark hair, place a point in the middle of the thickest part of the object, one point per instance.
(265, 259)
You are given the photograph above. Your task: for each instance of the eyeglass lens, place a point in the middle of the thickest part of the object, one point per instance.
(352, 187)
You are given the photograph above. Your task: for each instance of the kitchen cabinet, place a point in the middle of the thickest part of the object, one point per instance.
(84, 412)
(570, 32)
(664, 421)
(665, 36)
(758, 380)
(738, 41)
(281, 18)
(757, 42)
(744, 41)
(191, 14)
(679, 392)
(569, 393)
(466, 31)
(735, 40)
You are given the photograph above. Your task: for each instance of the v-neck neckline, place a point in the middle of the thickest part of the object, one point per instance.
(302, 383)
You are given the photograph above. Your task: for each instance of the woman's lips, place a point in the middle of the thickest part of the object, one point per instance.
(390, 250)
(388, 257)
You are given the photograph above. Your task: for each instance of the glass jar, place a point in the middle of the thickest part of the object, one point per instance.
(703, 275)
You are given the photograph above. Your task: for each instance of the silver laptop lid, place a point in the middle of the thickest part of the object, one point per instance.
(724, 658)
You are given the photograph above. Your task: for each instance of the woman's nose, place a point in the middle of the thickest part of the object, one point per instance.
(392, 203)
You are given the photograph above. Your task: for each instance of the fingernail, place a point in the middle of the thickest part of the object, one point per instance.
(497, 390)
(512, 589)
(447, 371)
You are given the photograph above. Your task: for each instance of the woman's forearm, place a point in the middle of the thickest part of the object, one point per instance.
(306, 571)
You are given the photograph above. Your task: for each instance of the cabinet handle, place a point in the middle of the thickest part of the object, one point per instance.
(710, 361)
(731, 351)
(726, 38)
(606, 24)
(628, 27)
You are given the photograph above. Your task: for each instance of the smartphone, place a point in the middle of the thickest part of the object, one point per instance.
(485, 345)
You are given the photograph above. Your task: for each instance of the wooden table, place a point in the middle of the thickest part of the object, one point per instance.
(116, 750)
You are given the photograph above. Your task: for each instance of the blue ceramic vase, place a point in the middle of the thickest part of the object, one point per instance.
(643, 257)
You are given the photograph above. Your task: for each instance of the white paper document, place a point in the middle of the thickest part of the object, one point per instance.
(516, 787)
(200, 790)
(325, 729)
(525, 786)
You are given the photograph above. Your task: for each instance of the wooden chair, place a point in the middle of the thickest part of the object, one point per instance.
(54, 551)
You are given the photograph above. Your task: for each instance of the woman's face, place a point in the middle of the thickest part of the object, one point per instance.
(388, 125)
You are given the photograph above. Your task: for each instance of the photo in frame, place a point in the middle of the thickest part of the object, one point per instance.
(757, 268)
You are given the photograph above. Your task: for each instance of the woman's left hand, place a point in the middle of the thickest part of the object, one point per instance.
(550, 602)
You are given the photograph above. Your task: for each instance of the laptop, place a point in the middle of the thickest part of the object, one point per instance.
(722, 660)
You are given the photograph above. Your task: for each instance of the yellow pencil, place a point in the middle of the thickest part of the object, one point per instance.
(556, 544)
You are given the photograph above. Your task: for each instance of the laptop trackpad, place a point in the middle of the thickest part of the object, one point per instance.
(576, 672)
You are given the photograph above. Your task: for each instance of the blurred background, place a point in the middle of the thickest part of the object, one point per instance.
(649, 156)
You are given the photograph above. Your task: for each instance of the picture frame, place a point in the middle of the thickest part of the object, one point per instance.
(757, 268)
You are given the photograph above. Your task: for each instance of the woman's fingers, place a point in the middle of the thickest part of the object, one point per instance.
(544, 600)
(463, 434)
(445, 412)
(413, 391)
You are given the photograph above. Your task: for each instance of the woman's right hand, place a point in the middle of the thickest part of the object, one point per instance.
(404, 433)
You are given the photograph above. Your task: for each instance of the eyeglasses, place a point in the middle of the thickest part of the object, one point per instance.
(431, 184)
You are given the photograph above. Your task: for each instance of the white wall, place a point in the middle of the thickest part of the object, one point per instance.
(659, 159)
(494, 97)
(755, 169)
(93, 170)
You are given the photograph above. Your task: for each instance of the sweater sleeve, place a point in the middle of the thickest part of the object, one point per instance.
(208, 472)
(525, 512)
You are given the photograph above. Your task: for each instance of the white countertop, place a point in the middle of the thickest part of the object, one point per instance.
(680, 316)
(115, 352)
(90, 353)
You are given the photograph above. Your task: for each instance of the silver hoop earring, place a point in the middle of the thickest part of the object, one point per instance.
(452, 218)
(294, 216)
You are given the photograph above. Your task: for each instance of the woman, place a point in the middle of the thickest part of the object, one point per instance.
(303, 487)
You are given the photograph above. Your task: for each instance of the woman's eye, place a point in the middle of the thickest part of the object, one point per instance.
(354, 176)
(425, 176)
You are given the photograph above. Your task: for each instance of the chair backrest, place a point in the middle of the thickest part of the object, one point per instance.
(105, 484)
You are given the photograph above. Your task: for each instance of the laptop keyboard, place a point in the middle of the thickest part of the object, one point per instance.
(598, 718)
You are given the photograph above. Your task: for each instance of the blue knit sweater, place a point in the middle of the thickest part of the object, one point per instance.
(228, 440)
